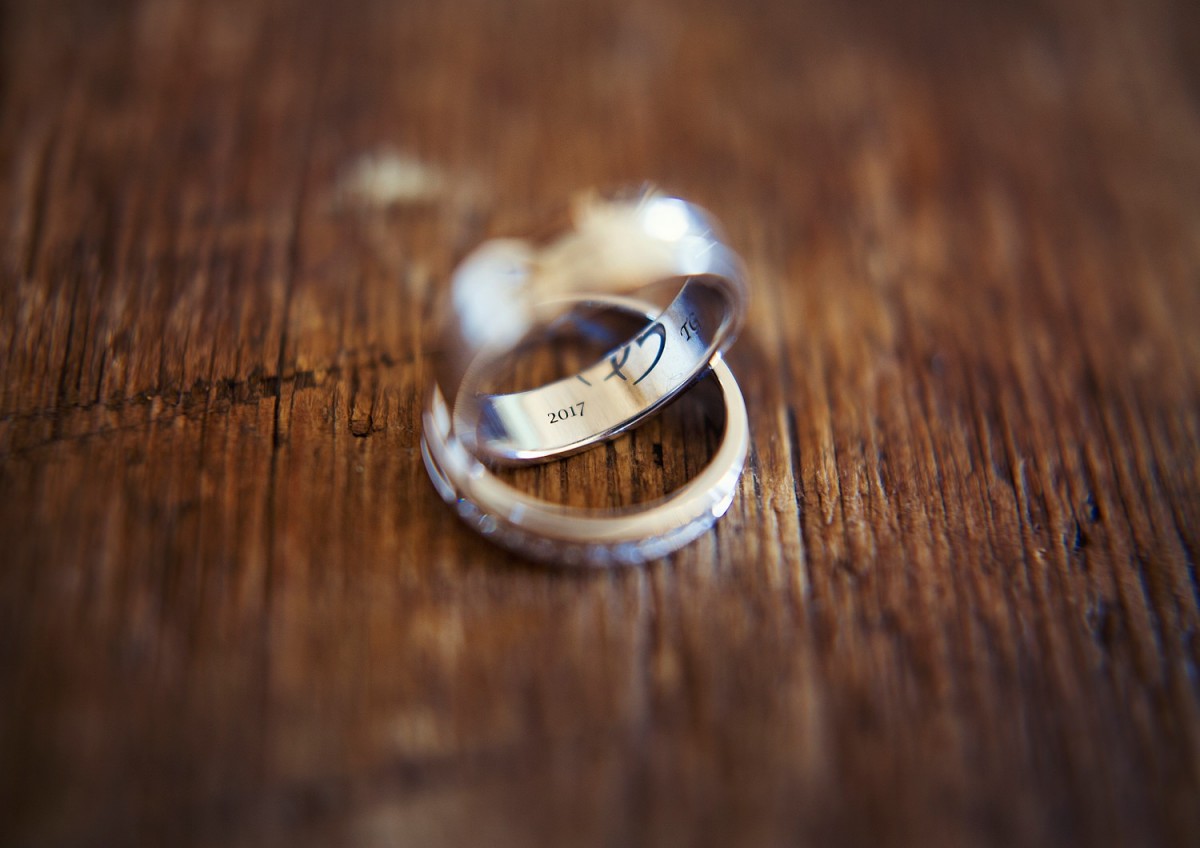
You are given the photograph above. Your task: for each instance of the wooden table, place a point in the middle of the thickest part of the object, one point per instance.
(955, 601)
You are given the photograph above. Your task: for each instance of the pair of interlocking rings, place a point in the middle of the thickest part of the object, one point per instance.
(507, 292)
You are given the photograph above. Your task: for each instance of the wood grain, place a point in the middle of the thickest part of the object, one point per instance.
(954, 603)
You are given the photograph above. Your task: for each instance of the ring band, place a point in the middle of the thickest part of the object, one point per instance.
(587, 537)
(505, 288)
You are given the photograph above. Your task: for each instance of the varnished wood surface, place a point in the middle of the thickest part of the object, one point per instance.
(954, 603)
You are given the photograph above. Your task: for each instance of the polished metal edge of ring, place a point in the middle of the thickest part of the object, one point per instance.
(505, 533)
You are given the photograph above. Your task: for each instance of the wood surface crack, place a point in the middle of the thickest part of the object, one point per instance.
(256, 386)
(37, 215)
(61, 391)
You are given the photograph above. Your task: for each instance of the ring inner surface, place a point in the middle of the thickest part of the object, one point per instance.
(619, 390)
(638, 467)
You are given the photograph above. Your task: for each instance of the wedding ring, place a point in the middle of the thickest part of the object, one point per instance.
(587, 537)
(506, 288)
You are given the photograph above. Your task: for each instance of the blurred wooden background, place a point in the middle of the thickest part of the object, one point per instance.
(955, 602)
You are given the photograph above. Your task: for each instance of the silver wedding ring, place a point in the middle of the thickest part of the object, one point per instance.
(506, 292)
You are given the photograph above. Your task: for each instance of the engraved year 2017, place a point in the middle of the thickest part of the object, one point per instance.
(572, 411)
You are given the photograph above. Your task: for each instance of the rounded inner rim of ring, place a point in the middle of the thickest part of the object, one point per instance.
(644, 464)
(631, 382)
